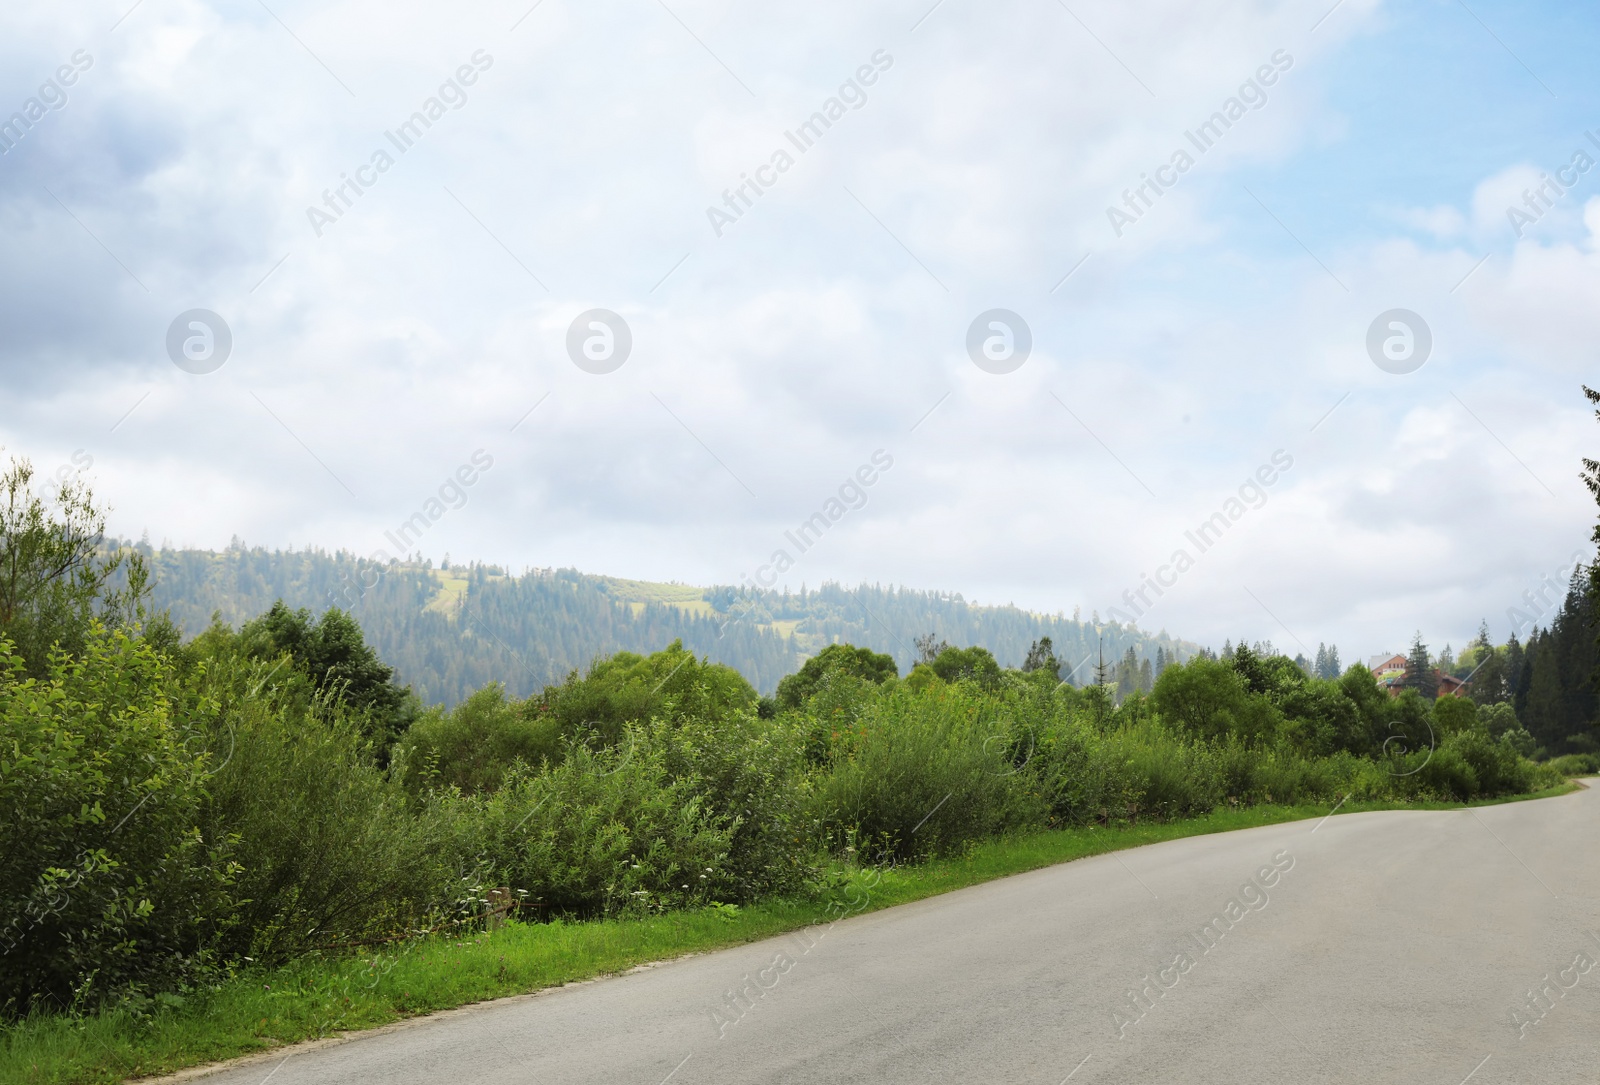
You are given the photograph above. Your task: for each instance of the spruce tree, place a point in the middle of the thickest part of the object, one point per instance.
(1127, 674)
(1419, 670)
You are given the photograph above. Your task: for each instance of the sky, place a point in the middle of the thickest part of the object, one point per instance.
(589, 285)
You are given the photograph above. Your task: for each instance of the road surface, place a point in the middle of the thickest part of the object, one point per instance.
(1402, 946)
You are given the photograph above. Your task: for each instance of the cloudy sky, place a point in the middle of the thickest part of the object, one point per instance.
(586, 156)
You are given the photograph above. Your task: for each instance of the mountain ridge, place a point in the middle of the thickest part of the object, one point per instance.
(453, 628)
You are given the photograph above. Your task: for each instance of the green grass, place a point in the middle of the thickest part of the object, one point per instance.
(318, 997)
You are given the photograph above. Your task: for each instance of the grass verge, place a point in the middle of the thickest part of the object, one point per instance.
(319, 997)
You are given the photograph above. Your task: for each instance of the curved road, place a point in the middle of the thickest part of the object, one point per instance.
(1397, 946)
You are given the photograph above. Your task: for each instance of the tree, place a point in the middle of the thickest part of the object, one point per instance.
(1102, 671)
(929, 646)
(1452, 715)
(56, 575)
(863, 663)
(1420, 674)
(973, 664)
(1127, 674)
(1488, 676)
(627, 688)
(1210, 699)
(1042, 657)
(105, 883)
(1519, 672)
(1499, 718)
(332, 652)
(1557, 702)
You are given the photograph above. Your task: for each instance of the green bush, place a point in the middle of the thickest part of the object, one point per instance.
(628, 688)
(106, 884)
(973, 664)
(746, 771)
(329, 849)
(1497, 766)
(1209, 699)
(473, 745)
(834, 660)
(603, 832)
(1166, 776)
(1444, 775)
(1575, 764)
(1453, 715)
(926, 774)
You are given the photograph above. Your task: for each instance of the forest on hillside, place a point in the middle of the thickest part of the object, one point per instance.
(449, 631)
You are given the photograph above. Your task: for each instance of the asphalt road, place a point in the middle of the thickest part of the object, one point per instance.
(1378, 947)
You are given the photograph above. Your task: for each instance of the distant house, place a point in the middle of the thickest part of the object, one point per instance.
(1390, 671)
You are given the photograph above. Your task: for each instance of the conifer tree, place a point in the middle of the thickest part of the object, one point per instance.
(1419, 674)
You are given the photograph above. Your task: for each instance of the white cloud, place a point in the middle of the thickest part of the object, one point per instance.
(810, 334)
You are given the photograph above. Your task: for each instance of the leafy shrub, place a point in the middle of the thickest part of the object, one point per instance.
(329, 849)
(602, 832)
(747, 773)
(1453, 715)
(106, 885)
(1575, 764)
(833, 708)
(834, 660)
(1165, 775)
(333, 653)
(973, 664)
(1444, 775)
(627, 688)
(1497, 766)
(926, 774)
(1209, 699)
(473, 745)
(1499, 718)
(1322, 719)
